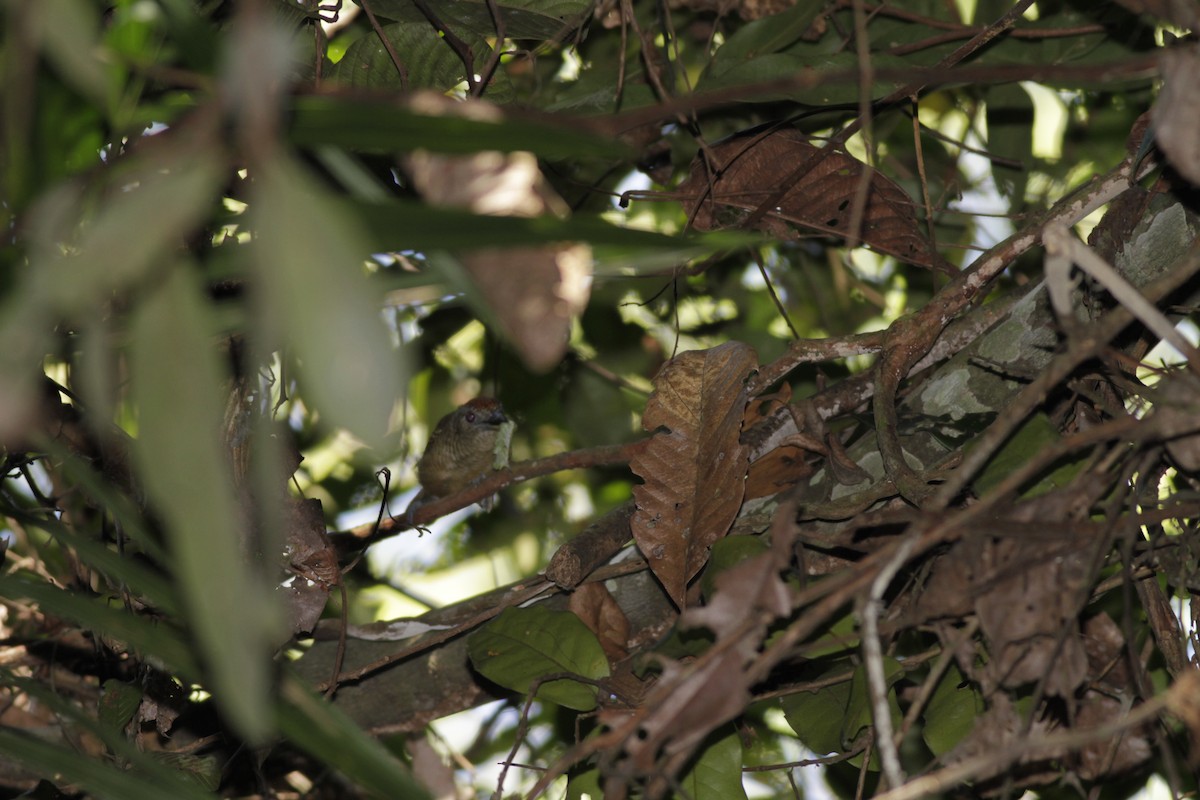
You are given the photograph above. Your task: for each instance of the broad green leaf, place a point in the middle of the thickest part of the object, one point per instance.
(181, 455)
(153, 639)
(326, 733)
(311, 259)
(841, 636)
(770, 34)
(717, 773)
(729, 552)
(399, 225)
(951, 712)
(1010, 136)
(835, 76)
(377, 126)
(830, 719)
(817, 716)
(1029, 440)
(523, 19)
(525, 644)
(858, 707)
(429, 62)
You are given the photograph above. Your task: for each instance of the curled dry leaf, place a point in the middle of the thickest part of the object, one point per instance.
(598, 609)
(312, 563)
(534, 292)
(1177, 113)
(694, 471)
(748, 174)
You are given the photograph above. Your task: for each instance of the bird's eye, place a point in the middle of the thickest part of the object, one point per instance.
(470, 416)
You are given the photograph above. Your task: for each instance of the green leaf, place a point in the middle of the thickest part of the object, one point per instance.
(375, 126)
(767, 35)
(202, 771)
(95, 614)
(119, 701)
(149, 777)
(328, 734)
(717, 773)
(729, 552)
(830, 719)
(858, 706)
(181, 454)
(585, 784)
(429, 62)
(835, 76)
(1010, 135)
(1029, 440)
(817, 716)
(397, 225)
(70, 31)
(523, 19)
(141, 581)
(951, 712)
(311, 258)
(525, 644)
(97, 777)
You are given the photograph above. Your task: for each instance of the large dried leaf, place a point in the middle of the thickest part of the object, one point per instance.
(694, 472)
(1177, 112)
(532, 293)
(750, 170)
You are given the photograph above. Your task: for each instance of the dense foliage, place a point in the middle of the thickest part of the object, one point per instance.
(848, 454)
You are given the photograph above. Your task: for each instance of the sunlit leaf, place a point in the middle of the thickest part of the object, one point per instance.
(313, 259)
(428, 61)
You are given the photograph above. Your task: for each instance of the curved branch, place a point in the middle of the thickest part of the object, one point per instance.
(604, 455)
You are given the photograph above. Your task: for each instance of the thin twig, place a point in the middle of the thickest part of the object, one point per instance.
(387, 45)
(489, 69)
(1182, 695)
(889, 758)
(460, 48)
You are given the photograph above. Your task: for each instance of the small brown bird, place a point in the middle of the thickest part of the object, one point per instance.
(461, 450)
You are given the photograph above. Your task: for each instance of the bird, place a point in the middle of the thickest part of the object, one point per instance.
(461, 451)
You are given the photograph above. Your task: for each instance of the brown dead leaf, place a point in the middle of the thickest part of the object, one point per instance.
(1181, 13)
(311, 560)
(751, 168)
(694, 472)
(782, 467)
(1025, 593)
(1176, 114)
(598, 609)
(534, 292)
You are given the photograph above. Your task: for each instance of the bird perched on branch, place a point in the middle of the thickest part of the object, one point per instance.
(464, 447)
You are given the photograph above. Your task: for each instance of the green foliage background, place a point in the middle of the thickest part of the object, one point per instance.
(198, 201)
